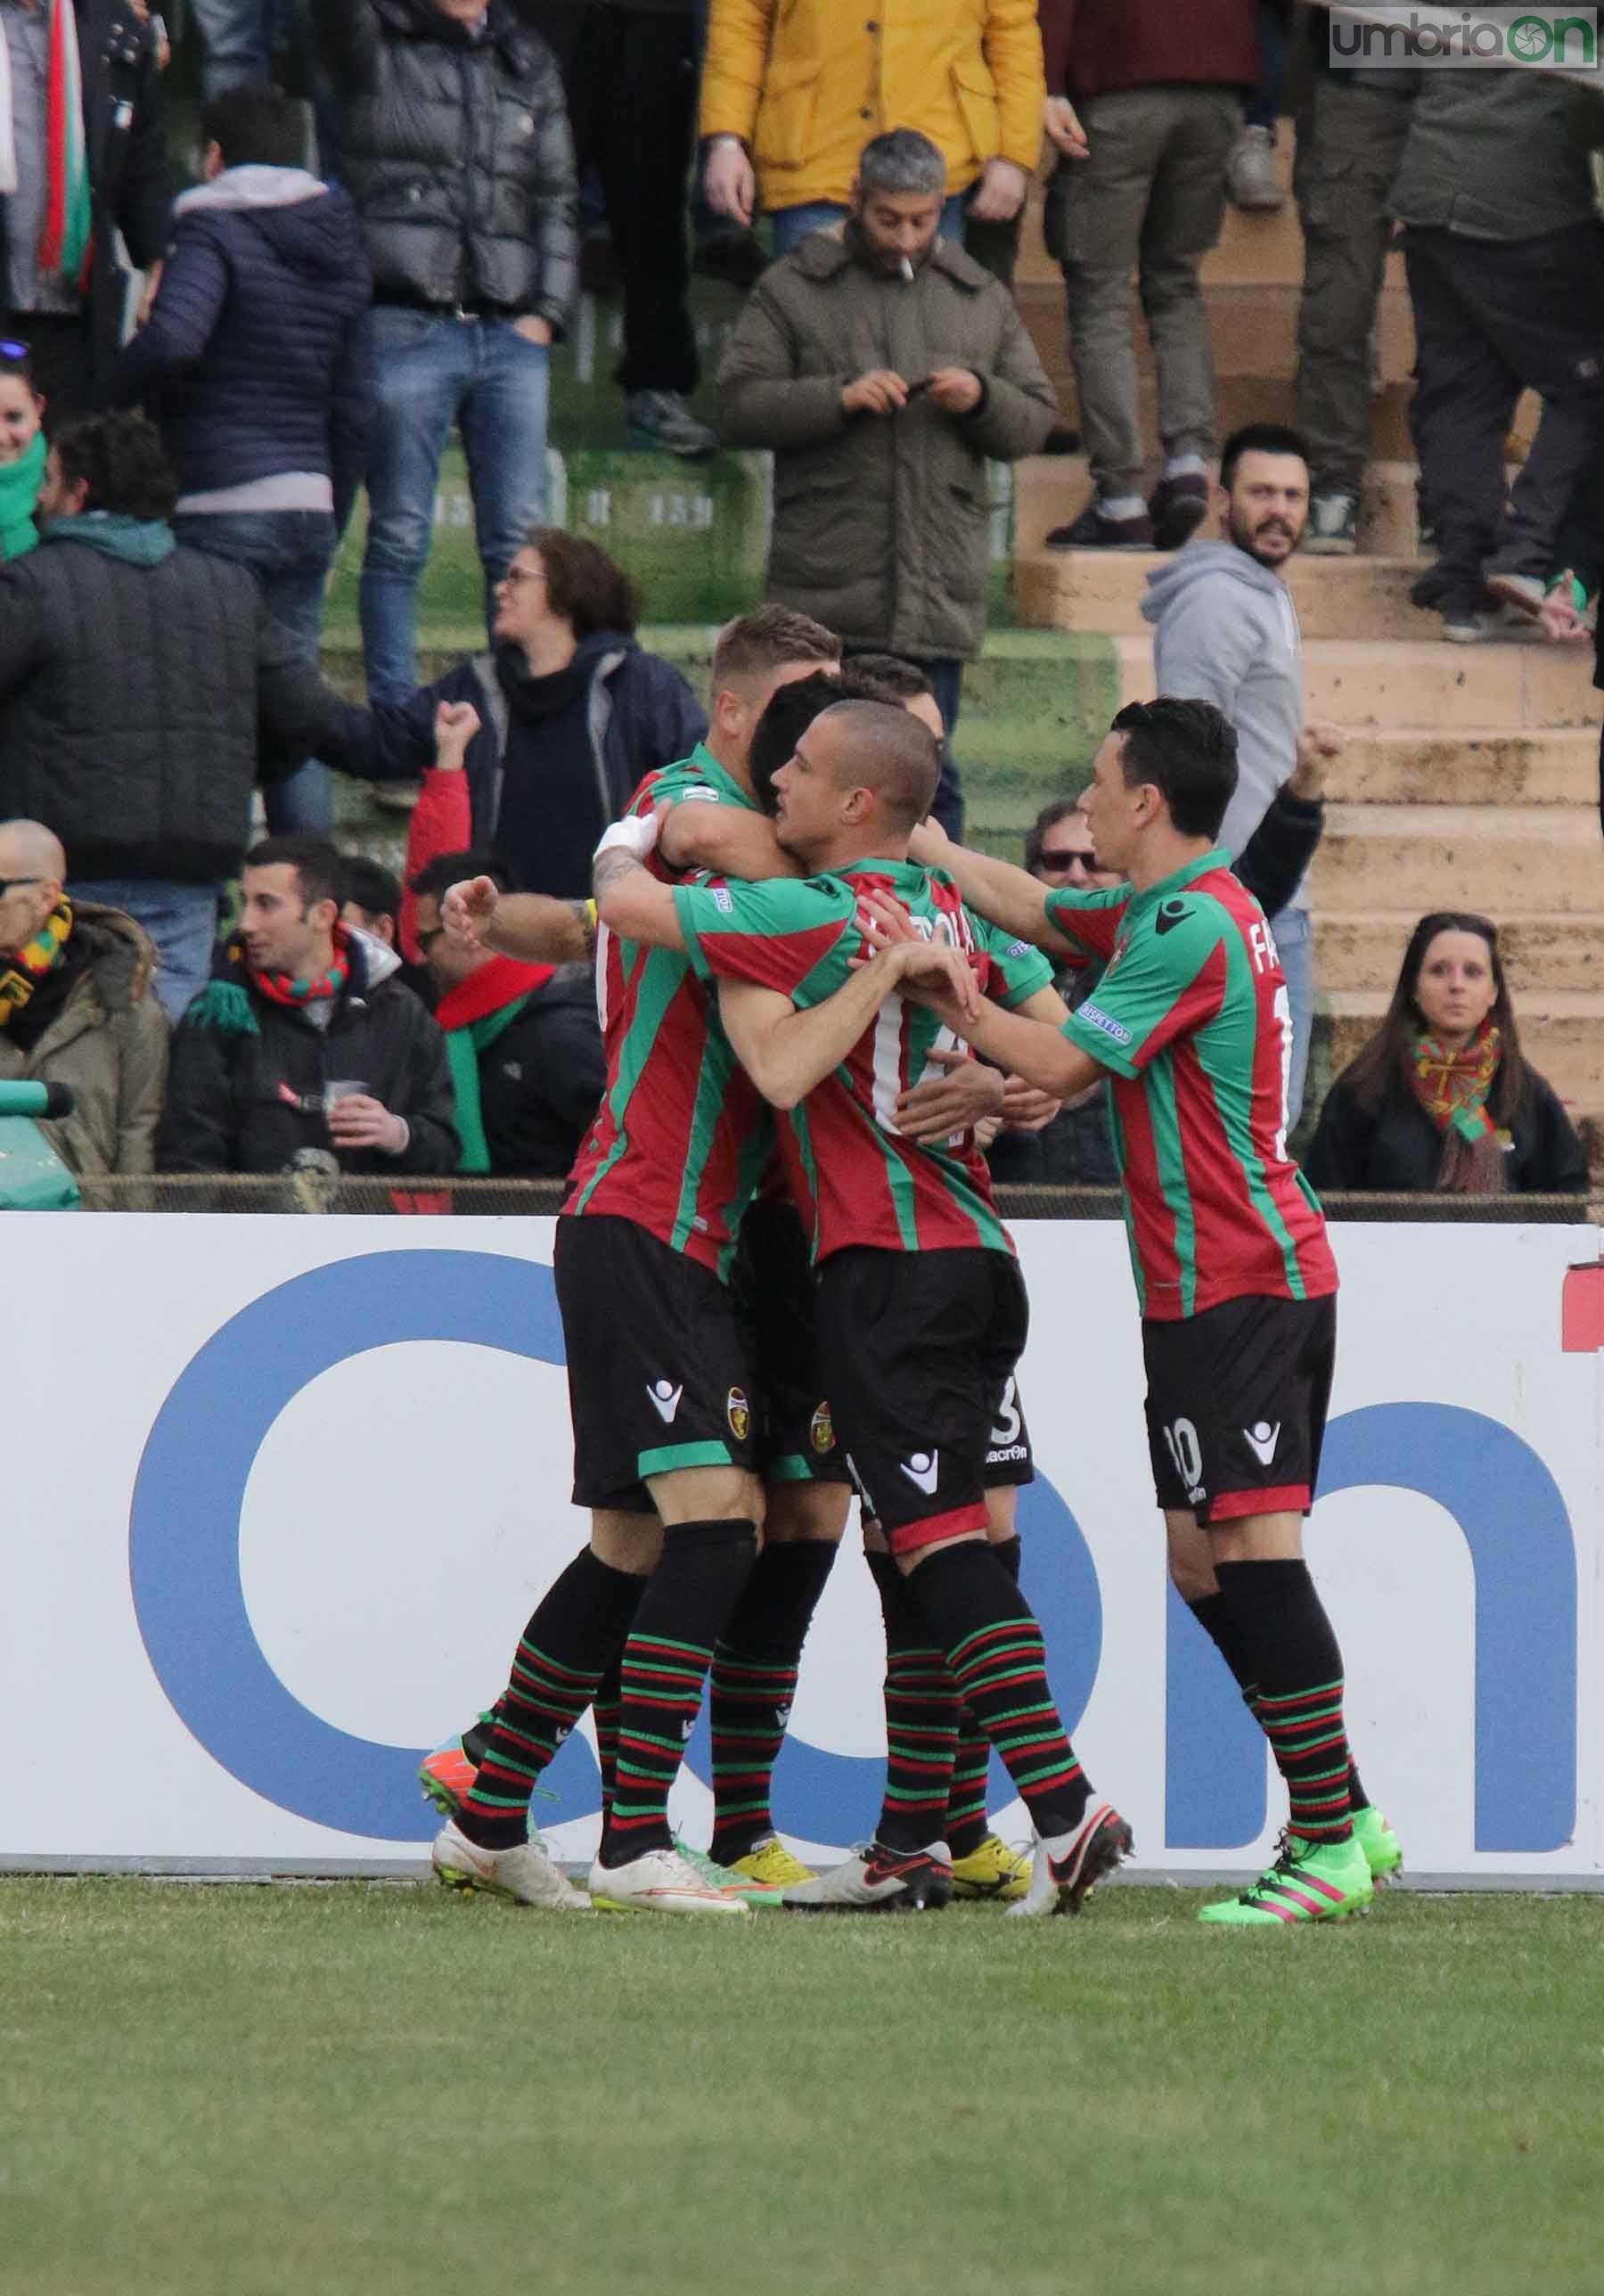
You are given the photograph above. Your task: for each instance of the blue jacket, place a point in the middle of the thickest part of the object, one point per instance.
(254, 361)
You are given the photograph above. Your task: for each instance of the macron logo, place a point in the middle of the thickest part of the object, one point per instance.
(666, 1399)
(923, 1471)
(1262, 1441)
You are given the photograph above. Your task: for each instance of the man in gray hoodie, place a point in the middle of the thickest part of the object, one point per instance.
(1225, 630)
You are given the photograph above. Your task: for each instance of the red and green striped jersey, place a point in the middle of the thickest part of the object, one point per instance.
(681, 1136)
(1191, 1016)
(855, 1178)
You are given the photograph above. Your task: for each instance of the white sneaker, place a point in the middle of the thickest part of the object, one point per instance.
(1250, 175)
(525, 1873)
(1063, 1877)
(660, 1882)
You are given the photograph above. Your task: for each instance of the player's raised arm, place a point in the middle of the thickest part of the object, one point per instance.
(786, 1053)
(1010, 897)
(724, 839)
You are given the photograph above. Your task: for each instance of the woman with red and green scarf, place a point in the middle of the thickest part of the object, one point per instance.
(1442, 1097)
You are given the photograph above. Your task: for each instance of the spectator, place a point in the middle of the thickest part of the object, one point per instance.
(573, 712)
(1441, 1097)
(1225, 631)
(1250, 177)
(1506, 277)
(143, 688)
(1160, 113)
(881, 517)
(22, 451)
(266, 39)
(305, 1039)
(786, 92)
(523, 1041)
(76, 1008)
(1074, 1147)
(1351, 128)
(371, 900)
(456, 152)
(83, 156)
(254, 363)
(629, 75)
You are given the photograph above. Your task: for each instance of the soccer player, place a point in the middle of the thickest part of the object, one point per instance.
(921, 1308)
(1234, 1274)
(660, 1382)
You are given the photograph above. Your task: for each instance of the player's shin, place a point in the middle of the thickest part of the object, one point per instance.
(921, 1720)
(752, 1684)
(1279, 1623)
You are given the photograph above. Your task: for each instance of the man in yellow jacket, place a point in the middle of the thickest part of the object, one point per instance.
(791, 94)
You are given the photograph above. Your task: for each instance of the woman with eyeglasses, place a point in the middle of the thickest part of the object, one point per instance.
(1442, 1097)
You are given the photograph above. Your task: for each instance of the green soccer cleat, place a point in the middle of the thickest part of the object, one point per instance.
(1383, 1850)
(1309, 1881)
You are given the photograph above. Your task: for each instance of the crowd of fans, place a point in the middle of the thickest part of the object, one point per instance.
(331, 300)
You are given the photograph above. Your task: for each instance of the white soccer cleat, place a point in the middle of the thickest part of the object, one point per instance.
(525, 1874)
(660, 1882)
(1061, 1881)
(875, 1880)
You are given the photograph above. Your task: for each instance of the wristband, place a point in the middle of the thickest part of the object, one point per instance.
(636, 833)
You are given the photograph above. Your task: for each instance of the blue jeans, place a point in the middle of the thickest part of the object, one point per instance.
(431, 370)
(180, 919)
(1294, 930)
(289, 552)
(790, 226)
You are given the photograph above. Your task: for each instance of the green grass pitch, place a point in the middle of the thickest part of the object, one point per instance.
(249, 2090)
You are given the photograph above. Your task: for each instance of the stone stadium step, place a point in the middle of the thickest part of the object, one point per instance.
(1545, 952)
(1562, 1035)
(1103, 589)
(1489, 857)
(1493, 765)
(1422, 682)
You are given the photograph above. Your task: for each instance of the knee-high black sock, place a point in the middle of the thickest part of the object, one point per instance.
(753, 1682)
(922, 1718)
(966, 1827)
(1286, 1636)
(994, 1652)
(1213, 1614)
(684, 1610)
(575, 1632)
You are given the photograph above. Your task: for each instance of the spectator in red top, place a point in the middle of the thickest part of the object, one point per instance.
(1157, 100)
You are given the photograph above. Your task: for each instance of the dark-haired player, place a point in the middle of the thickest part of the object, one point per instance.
(923, 1310)
(1234, 1274)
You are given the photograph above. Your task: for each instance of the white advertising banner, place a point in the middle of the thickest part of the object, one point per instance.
(283, 1493)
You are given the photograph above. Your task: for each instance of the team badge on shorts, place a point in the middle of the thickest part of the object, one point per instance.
(821, 1433)
(739, 1412)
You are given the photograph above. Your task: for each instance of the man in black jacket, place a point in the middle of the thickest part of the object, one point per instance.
(456, 152)
(143, 689)
(62, 290)
(523, 1040)
(255, 365)
(305, 1040)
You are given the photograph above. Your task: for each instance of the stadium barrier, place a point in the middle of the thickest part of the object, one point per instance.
(283, 1492)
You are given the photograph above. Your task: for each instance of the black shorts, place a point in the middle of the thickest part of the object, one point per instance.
(777, 1299)
(921, 1347)
(1236, 1405)
(659, 1373)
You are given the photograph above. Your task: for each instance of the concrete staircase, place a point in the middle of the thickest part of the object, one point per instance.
(1469, 777)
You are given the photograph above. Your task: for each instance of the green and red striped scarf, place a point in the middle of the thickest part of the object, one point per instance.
(64, 241)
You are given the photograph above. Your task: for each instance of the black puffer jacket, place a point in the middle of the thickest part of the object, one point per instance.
(139, 704)
(456, 152)
(246, 1083)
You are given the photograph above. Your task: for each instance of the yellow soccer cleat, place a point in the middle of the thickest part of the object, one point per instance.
(994, 1870)
(771, 1863)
